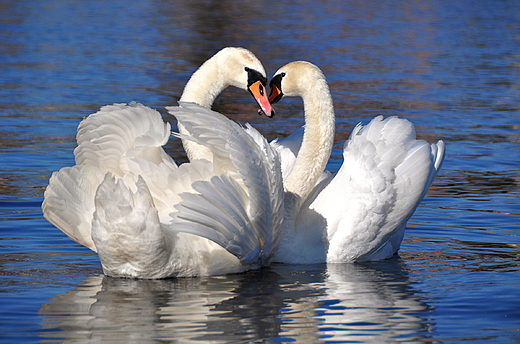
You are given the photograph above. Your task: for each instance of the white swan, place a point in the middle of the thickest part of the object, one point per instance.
(229, 67)
(360, 213)
(146, 217)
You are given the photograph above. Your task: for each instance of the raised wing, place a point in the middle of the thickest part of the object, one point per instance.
(385, 174)
(242, 207)
(125, 140)
(117, 133)
(69, 202)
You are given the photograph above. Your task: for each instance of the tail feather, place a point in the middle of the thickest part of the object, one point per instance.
(127, 232)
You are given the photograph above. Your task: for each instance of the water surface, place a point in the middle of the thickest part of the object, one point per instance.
(452, 69)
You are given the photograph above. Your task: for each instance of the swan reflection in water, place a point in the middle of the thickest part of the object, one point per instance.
(370, 301)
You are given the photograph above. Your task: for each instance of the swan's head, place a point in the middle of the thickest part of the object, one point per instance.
(295, 79)
(241, 68)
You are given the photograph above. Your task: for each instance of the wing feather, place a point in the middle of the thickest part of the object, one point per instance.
(69, 202)
(385, 174)
(248, 160)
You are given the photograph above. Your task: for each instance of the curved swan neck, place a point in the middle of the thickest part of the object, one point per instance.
(318, 140)
(205, 84)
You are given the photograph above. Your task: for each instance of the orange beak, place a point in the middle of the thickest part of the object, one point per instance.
(275, 95)
(259, 93)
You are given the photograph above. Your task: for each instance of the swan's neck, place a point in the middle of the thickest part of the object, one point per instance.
(202, 89)
(204, 85)
(316, 147)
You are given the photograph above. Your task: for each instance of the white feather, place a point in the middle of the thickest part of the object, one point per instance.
(360, 213)
(69, 202)
(133, 209)
(243, 160)
(130, 202)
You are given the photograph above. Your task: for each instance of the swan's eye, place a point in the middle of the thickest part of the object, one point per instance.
(283, 74)
(254, 76)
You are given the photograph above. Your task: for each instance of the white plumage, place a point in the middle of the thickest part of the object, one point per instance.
(146, 217)
(227, 210)
(360, 213)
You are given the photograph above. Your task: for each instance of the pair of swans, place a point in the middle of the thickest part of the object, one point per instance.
(240, 202)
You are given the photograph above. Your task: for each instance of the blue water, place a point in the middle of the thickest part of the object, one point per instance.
(452, 68)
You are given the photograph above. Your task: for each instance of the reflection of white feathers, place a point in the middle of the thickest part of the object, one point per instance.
(370, 304)
(360, 213)
(146, 208)
(340, 302)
